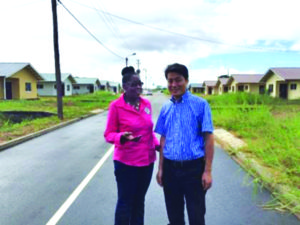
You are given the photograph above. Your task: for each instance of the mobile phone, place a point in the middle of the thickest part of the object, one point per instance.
(137, 138)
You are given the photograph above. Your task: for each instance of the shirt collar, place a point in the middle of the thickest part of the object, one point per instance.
(182, 98)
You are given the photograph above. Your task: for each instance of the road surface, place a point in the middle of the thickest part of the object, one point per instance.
(38, 177)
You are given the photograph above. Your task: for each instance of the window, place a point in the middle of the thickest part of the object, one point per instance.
(28, 86)
(270, 89)
(39, 86)
(54, 86)
(246, 87)
(68, 87)
(232, 88)
(241, 88)
(229, 87)
(76, 87)
(293, 86)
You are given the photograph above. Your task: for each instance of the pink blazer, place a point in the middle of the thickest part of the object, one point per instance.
(122, 117)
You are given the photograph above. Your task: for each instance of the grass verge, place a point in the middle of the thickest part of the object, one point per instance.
(270, 127)
(73, 107)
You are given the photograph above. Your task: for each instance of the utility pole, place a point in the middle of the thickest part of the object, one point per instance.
(57, 65)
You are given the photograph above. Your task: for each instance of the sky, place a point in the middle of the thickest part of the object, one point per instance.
(210, 37)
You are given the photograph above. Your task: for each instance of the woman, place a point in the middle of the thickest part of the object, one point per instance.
(130, 128)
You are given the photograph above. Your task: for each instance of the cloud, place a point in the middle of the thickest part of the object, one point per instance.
(203, 28)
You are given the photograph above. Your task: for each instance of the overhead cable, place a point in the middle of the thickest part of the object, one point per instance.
(182, 35)
(89, 31)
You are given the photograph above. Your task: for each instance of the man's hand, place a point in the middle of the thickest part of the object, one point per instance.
(206, 180)
(159, 177)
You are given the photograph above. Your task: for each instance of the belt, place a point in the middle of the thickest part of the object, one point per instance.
(184, 163)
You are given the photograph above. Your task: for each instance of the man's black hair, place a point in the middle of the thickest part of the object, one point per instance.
(177, 68)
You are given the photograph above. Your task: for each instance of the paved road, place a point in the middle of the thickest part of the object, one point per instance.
(39, 175)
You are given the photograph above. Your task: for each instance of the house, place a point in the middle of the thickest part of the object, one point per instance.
(222, 85)
(283, 82)
(210, 87)
(85, 85)
(196, 88)
(114, 87)
(18, 81)
(47, 86)
(246, 83)
(110, 86)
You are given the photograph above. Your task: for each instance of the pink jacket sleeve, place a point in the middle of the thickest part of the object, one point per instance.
(112, 133)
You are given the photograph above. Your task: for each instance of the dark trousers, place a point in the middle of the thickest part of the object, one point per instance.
(132, 183)
(182, 183)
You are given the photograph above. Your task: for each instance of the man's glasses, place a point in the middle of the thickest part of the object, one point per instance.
(135, 84)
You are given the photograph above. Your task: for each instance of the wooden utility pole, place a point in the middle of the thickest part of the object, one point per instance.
(57, 64)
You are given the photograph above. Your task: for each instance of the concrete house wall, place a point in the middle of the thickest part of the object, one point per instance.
(274, 80)
(83, 88)
(294, 94)
(19, 81)
(68, 87)
(48, 89)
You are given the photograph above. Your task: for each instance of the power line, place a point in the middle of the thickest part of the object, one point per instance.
(89, 31)
(180, 34)
(111, 25)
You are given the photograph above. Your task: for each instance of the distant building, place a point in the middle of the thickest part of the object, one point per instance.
(210, 87)
(222, 85)
(283, 82)
(246, 83)
(196, 88)
(86, 85)
(111, 86)
(18, 81)
(47, 86)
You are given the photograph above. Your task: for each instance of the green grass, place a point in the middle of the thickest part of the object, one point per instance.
(271, 128)
(73, 107)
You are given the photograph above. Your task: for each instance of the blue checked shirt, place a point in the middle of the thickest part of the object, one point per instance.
(183, 124)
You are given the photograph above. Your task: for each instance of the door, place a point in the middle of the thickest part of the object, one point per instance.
(91, 88)
(261, 89)
(283, 91)
(8, 90)
(241, 88)
(63, 89)
(210, 90)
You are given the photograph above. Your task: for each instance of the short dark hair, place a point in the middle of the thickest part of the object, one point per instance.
(177, 68)
(127, 73)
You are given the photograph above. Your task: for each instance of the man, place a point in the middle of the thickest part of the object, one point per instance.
(187, 148)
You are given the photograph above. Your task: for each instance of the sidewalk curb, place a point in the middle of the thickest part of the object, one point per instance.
(28, 137)
(231, 144)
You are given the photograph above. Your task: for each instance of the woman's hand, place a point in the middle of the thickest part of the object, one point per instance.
(127, 136)
(159, 176)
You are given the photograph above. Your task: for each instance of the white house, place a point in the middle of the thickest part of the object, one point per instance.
(85, 85)
(110, 86)
(47, 86)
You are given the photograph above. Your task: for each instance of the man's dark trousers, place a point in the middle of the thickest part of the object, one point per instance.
(182, 182)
